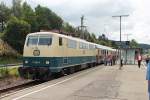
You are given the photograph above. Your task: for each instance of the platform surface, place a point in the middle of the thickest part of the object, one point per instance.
(98, 83)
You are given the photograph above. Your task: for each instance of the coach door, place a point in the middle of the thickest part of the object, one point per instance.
(98, 56)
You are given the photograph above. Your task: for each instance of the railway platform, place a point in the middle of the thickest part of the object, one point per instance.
(97, 83)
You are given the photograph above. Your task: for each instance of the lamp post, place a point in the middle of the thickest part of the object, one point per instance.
(120, 16)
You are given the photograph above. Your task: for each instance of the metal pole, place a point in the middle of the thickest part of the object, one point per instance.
(120, 16)
(82, 18)
(82, 26)
(120, 46)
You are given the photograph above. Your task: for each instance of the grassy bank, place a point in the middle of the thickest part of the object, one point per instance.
(10, 60)
(9, 72)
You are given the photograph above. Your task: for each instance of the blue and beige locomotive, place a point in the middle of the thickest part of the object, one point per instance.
(47, 53)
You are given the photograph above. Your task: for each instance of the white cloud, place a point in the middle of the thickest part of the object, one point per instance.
(98, 14)
(141, 20)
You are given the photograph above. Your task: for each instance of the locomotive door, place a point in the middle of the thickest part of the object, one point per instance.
(64, 51)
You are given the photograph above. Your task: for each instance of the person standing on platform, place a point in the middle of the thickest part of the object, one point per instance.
(105, 61)
(148, 77)
(114, 59)
(147, 59)
(109, 60)
(139, 58)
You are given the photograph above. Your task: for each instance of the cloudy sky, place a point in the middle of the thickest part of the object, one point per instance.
(98, 16)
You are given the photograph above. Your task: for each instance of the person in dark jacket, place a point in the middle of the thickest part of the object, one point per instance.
(148, 77)
(147, 59)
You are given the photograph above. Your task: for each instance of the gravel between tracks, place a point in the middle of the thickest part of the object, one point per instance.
(11, 82)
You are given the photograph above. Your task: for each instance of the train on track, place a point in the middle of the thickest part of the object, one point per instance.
(47, 53)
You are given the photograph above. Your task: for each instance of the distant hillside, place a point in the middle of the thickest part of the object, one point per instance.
(141, 45)
(144, 46)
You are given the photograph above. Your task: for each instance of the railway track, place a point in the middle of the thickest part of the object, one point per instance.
(18, 87)
(11, 90)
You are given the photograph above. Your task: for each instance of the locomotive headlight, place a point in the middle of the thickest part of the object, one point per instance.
(26, 61)
(47, 62)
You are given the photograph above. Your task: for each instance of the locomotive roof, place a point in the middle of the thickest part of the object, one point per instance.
(73, 38)
(61, 35)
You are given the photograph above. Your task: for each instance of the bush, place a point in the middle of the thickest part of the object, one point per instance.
(9, 72)
(16, 32)
(3, 72)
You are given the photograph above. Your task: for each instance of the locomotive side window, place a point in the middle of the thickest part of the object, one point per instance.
(32, 40)
(83, 45)
(45, 40)
(80, 45)
(72, 44)
(60, 41)
(91, 46)
(87, 47)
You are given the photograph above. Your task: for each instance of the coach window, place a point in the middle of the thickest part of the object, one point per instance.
(60, 41)
(101, 51)
(105, 52)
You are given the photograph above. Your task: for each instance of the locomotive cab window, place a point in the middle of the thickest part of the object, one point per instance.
(45, 40)
(60, 41)
(39, 40)
(32, 40)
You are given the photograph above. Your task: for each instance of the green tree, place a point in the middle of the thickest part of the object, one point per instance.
(68, 28)
(114, 45)
(47, 19)
(43, 15)
(133, 44)
(17, 8)
(92, 38)
(56, 21)
(16, 32)
(29, 16)
(4, 15)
